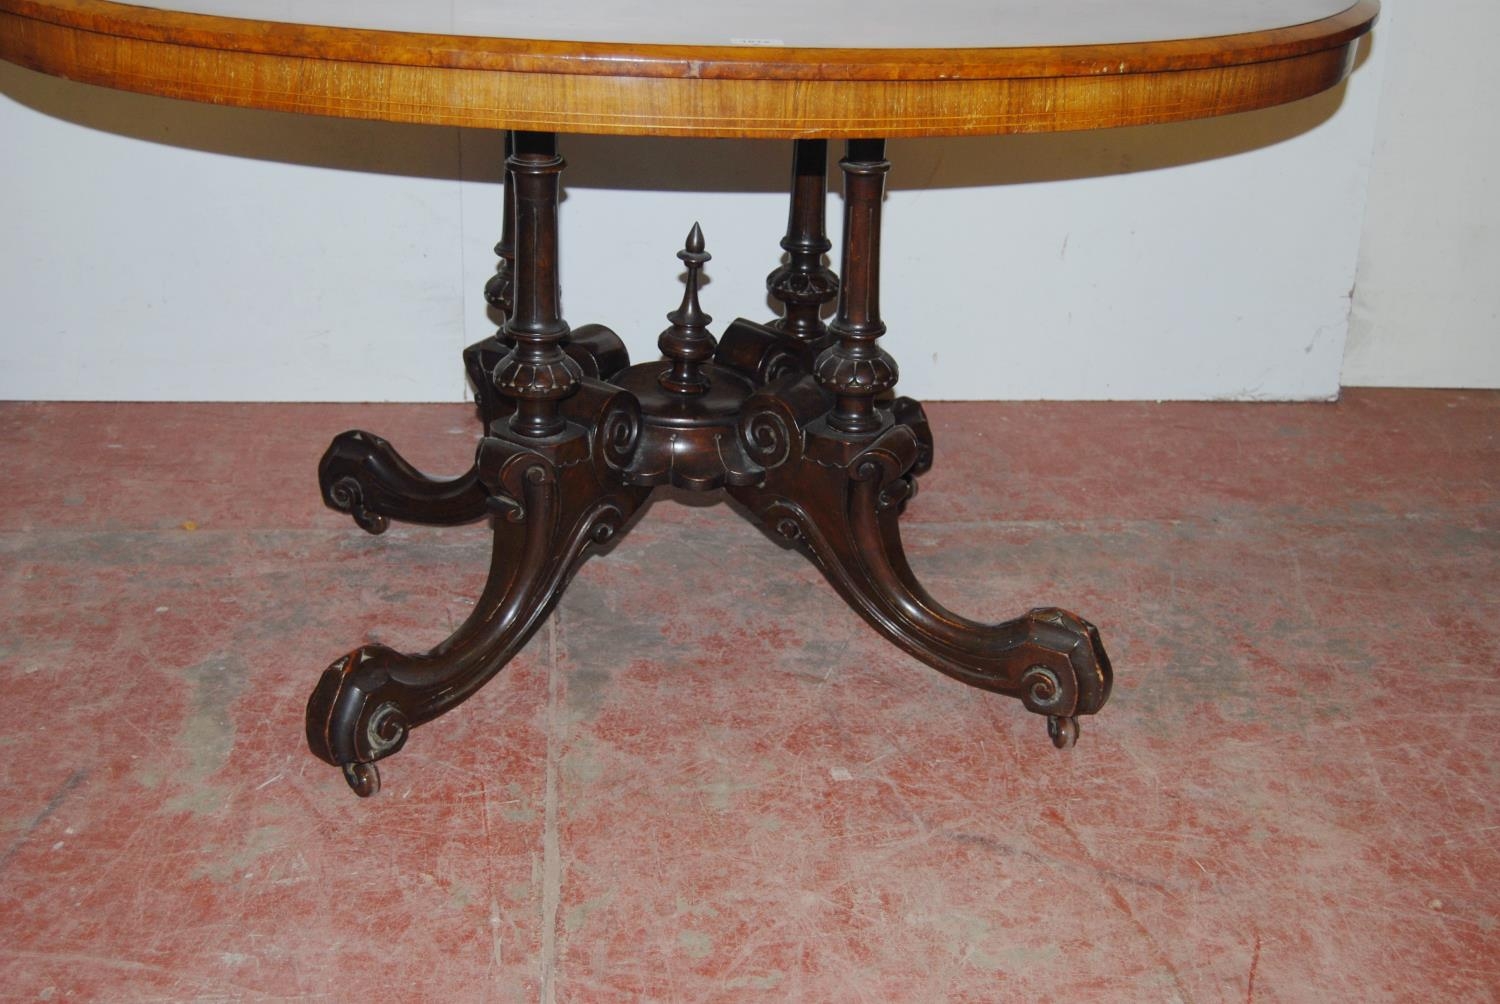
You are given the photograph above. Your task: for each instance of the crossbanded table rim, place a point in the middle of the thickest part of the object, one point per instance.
(195, 23)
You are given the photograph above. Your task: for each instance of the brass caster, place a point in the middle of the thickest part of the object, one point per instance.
(1063, 731)
(364, 778)
(371, 522)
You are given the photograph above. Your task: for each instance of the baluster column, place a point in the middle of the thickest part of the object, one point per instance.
(536, 374)
(804, 283)
(854, 369)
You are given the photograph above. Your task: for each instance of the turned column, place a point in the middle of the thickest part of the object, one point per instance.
(536, 374)
(854, 369)
(498, 290)
(804, 283)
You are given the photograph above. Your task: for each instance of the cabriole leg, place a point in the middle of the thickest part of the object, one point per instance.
(552, 504)
(548, 474)
(840, 464)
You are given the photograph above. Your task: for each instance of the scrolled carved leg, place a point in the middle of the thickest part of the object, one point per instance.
(363, 475)
(840, 500)
(550, 472)
(799, 423)
(841, 456)
(555, 502)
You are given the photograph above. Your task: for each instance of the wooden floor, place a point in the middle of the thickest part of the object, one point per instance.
(692, 787)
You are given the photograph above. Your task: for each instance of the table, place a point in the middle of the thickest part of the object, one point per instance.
(795, 419)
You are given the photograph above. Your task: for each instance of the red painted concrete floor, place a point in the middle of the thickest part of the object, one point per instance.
(706, 780)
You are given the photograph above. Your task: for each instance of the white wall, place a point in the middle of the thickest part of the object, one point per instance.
(1427, 306)
(163, 250)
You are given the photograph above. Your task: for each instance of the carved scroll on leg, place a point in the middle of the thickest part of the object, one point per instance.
(554, 504)
(841, 499)
(363, 475)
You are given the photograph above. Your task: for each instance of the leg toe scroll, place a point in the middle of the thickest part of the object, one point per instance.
(840, 498)
(363, 475)
(355, 715)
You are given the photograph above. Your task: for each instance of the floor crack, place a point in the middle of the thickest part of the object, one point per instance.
(53, 804)
(551, 849)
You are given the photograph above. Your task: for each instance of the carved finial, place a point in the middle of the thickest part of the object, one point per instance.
(687, 343)
(694, 245)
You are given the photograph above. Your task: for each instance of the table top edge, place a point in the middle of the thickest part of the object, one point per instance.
(521, 55)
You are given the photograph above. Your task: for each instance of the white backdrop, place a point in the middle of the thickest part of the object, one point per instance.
(164, 250)
(1427, 308)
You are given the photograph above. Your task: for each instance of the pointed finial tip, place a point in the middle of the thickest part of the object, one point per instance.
(695, 239)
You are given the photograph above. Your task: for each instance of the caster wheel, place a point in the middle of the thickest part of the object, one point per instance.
(364, 778)
(371, 522)
(1064, 731)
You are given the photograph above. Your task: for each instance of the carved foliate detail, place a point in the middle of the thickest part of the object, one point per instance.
(791, 285)
(544, 379)
(857, 372)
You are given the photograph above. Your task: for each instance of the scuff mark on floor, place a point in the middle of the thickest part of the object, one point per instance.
(53, 804)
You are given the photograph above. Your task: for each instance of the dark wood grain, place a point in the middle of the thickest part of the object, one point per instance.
(812, 444)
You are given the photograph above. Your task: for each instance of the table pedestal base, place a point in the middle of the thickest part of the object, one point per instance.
(794, 421)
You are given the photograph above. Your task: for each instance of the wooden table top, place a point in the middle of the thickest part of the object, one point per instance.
(774, 68)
